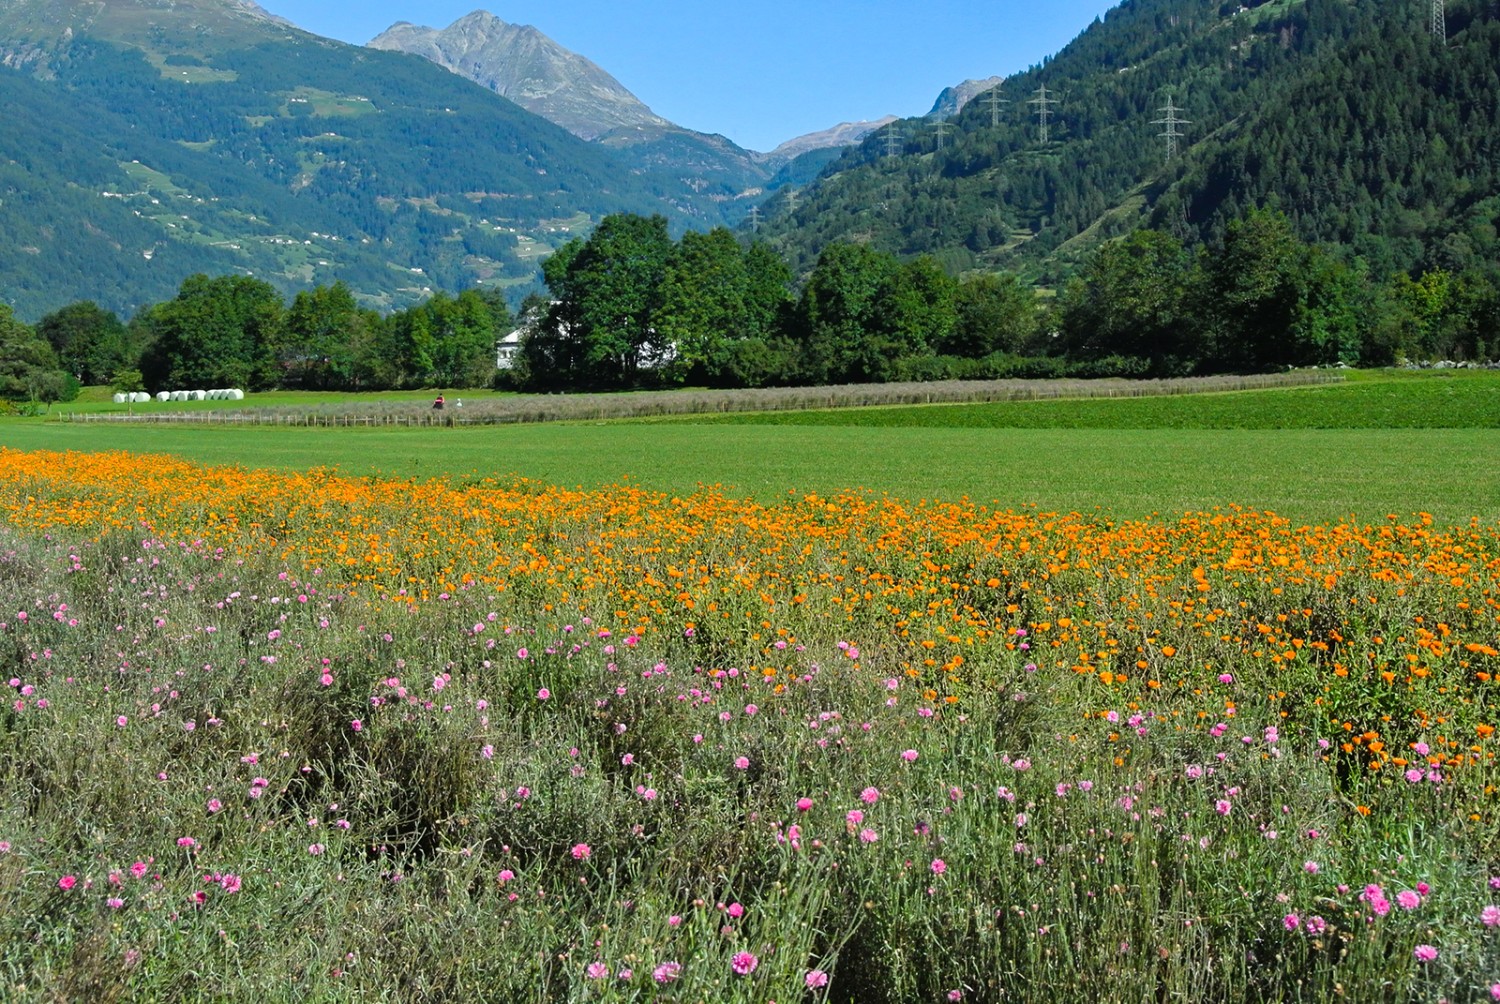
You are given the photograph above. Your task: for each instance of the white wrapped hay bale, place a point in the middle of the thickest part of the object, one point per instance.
(164, 395)
(197, 395)
(235, 394)
(119, 398)
(179, 395)
(139, 397)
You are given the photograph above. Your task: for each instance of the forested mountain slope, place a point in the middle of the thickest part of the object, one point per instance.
(146, 143)
(1367, 129)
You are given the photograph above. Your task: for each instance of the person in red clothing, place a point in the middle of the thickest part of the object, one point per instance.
(438, 404)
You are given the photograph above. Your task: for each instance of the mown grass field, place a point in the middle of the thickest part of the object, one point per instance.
(1383, 443)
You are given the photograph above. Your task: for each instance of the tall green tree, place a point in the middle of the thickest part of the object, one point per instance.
(90, 341)
(995, 313)
(28, 366)
(322, 338)
(606, 290)
(837, 312)
(217, 332)
(1253, 290)
(1131, 299)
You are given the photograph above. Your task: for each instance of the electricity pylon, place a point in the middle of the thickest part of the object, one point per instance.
(1171, 121)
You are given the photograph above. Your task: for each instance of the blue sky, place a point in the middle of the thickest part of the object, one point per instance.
(765, 73)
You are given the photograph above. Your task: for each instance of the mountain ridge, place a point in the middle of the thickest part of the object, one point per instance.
(521, 63)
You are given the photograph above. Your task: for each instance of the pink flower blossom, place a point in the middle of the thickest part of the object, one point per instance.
(870, 796)
(597, 971)
(1424, 953)
(1490, 915)
(667, 972)
(939, 866)
(803, 804)
(1291, 922)
(543, 694)
(815, 979)
(581, 852)
(67, 882)
(909, 755)
(744, 963)
(1408, 899)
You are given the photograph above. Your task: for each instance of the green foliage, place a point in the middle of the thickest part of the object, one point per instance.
(28, 366)
(90, 341)
(1376, 142)
(217, 332)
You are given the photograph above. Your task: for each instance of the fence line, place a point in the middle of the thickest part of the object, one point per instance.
(596, 407)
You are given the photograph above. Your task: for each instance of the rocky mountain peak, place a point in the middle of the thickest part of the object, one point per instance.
(524, 65)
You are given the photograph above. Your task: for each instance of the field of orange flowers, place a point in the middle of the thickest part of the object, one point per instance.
(698, 748)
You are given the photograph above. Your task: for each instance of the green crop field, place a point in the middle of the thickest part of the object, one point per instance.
(1380, 444)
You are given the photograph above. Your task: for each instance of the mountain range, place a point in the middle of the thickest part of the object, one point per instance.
(146, 140)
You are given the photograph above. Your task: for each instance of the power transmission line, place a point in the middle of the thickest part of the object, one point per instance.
(755, 219)
(892, 141)
(1439, 21)
(995, 102)
(1171, 121)
(1043, 110)
(941, 127)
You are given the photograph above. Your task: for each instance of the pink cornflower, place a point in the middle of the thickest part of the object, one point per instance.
(868, 836)
(870, 796)
(231, 884)
(667, 972)
(581, 852)
(741, 763)
(114, 902)
(1424, 953)
(1490, 915)
(1316, 925)
(815, 978)
(803, 804)
(735, 910)
(597, 971)
(1291, 922)
(315, 849)
(909, 755)
(214, 805)
(1407, 899)
(1222, 806)
(939, 866)
(744, 963)
(67, 882)
(543, 694)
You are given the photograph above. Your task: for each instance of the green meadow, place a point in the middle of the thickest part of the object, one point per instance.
(1382, 443)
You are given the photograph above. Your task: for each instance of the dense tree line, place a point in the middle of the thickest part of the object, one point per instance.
(237, 331)
(630, 308)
